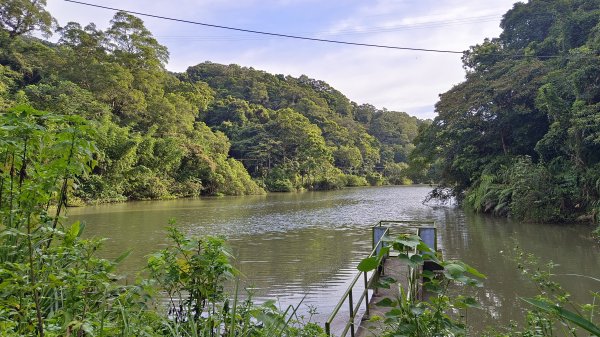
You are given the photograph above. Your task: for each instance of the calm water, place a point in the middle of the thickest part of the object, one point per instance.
(306, 245)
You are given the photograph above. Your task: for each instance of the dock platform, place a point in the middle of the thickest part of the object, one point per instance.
(397, 270)
(363, 303)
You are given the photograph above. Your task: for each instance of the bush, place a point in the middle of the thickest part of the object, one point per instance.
(53, 284)
(280, 185)
(375, 179)
(352, 180)
(397, 174)
(527, 191)
(279, 180)
(330, 181)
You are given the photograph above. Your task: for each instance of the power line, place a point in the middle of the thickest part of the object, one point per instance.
(347, 32)
(297, 37)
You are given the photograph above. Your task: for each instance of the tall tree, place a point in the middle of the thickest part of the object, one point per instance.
(20, 17)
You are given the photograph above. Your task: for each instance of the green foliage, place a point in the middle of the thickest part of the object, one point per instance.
(435, 316)
(485, 128)
(520, 184)
(53, 284)
(352, 180)
(278, 180)
(165, 135)
(331, 180)
(251, 104)
(565, 315)
(375, 179)
(192, 273)
(20, 17)
(397, 173)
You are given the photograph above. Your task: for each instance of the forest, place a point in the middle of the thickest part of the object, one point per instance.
(520, 137)
(212, 130)
(96, 117)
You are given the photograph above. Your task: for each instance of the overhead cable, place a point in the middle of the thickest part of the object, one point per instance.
(268, 33)
(306, 38)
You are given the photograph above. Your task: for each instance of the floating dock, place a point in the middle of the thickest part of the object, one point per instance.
(356, 322)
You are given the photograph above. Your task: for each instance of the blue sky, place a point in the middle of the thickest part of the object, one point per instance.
(393, 79)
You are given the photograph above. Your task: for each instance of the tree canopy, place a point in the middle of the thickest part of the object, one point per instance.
(520, 135)
(214, 129)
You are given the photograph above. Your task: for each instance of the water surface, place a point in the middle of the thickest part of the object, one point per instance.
(292, 246)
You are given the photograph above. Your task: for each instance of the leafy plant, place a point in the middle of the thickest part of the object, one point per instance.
(435, 316)
(52, 283)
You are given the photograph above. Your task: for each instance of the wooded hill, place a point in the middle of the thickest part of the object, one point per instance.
(212, 130)
(521, 136)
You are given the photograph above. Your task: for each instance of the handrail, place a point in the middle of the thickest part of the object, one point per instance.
(353, 311)
(414, 223)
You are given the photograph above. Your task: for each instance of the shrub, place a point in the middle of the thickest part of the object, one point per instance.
(375, 179)
(352, 180)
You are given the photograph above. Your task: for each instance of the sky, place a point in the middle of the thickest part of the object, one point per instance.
(397, 80)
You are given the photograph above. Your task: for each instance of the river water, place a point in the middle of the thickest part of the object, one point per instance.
(294, 246)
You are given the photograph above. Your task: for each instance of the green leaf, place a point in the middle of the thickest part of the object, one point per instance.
(385, 250)
(423, 247)
(416, 260)
(385, 282)
(73, 233)
(467, 302)
(394, 313)
(428, 274)
(473, 271)
(368, 264)
(565, 314)
(123, 256)
(454, 269)
(409, 240)
(386, 302)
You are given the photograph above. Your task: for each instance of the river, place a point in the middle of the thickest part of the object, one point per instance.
(290, 246)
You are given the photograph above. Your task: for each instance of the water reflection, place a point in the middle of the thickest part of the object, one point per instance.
(293, 245)
(488, 244)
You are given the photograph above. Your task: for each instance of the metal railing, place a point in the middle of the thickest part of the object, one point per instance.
(348, 294)
(368, 282)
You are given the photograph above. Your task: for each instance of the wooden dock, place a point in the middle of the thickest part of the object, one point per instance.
(397, 270)
(390, 266)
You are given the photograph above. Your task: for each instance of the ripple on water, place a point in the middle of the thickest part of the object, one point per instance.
(305, 246)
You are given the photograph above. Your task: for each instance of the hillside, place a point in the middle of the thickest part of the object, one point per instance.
(212, 130)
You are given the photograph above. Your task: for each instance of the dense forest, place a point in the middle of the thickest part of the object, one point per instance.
(95, 116)
(521, 135)
(211, 130)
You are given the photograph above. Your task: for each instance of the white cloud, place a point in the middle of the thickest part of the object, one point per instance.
(398, 80)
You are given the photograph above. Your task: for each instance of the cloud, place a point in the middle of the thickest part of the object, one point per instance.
(398, 80)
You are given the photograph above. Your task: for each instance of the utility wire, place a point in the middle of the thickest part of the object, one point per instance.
(298, 37)
(269, 33)
(346, 32)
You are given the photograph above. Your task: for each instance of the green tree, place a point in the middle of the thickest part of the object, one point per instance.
(19, 17)
(520, 135)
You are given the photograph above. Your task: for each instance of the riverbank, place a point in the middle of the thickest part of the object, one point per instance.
(78, 202)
